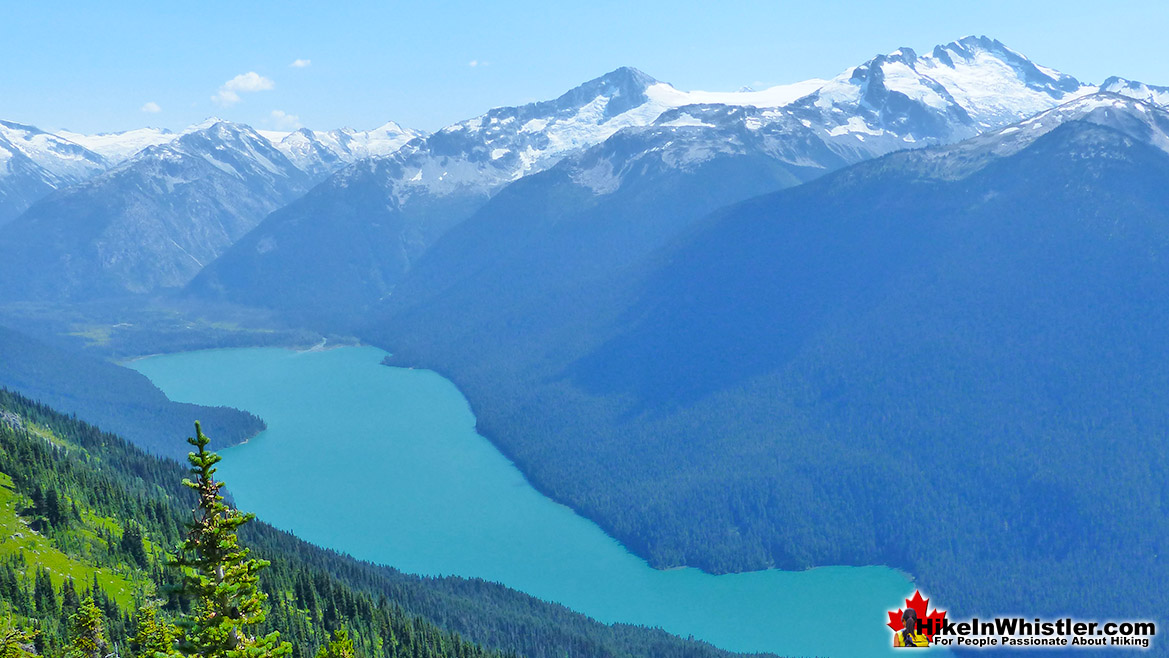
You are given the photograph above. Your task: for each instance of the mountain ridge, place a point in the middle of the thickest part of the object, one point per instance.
(150, 222)
(370, 222)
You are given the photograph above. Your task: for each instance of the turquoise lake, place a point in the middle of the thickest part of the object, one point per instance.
(385, 464)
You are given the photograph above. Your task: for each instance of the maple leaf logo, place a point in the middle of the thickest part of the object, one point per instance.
(930, 623)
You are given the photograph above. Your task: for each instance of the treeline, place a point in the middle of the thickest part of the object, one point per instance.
(122, 511)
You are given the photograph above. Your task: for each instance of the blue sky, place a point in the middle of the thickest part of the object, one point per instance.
(95, 67)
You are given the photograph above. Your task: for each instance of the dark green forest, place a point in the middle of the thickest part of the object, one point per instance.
(122, 400)
(91, 517)
(959, 375)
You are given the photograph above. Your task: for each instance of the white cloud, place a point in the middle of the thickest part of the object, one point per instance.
(284, 121)
(151, 108)
(225, 97)
(248, 82)
(301, 64)
(478, 62)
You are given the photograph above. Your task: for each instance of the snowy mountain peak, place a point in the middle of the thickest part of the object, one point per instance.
(33, 163)
(625, 87)
(902, 54)
(322, 153)
(225, 141)
(202, 125)
(1139, 120)
(63, 160)
(1138, 90)
(316, 153)
(481, 154)
(118, 147)
(232, 148)
(958, 90)
(969, 47)
(154, 220)
(220, 128)
(391, 128)
(383, 140)
(973, 51)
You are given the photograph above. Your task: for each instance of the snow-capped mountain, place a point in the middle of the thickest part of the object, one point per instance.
(1140, 120)
(151, 222)
(64, 160)
(567, 230)
(321, 153)
(691, 137)
(1137, 90)
(391, 209)
(119, 147)
(366, 224)
(961, 89)
(389, 193)
(481, 155)
(317, 153)
(891, 102)
(34, 163)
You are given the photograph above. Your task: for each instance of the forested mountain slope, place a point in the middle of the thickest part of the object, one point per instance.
(101, 511)
(946, 360)
(121, 399)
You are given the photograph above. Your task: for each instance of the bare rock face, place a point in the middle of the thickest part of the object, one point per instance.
(11, 419)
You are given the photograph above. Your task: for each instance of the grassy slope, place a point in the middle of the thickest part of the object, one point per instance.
(39, 551)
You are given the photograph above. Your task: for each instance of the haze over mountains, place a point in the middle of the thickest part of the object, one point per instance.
(771, 319)
(154, 220)
(380, 216)
(963, 326)
(38, 162)
(388, 206)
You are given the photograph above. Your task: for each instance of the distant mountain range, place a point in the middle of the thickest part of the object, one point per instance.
(157, 218)
(34, 163)
(356, 235)
(151, 222)
(116, 224)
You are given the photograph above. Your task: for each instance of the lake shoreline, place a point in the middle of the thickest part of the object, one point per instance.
(431, 495)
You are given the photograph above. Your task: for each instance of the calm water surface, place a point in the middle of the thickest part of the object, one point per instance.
(385, 464)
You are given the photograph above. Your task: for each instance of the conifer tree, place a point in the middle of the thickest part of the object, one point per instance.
(44, 596)
(70, 601)
(340, 646)
(155, 638)
(132, 545)
(87, 635)
(218, 575)
(16, 643)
